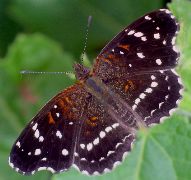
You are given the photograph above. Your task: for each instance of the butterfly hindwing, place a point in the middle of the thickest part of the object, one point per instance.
(103, 143)
(153, 95)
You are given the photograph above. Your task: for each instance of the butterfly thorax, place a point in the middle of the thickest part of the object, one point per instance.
(81, 72)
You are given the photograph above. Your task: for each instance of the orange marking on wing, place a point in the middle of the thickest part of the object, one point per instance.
(124, 46)
(50, 118)
(92, 124)
(61, 103)
(66, 106)
(126, 87)
(94, 118)
(106, 60)
(111, 56)
(68, 100)
(129, 85)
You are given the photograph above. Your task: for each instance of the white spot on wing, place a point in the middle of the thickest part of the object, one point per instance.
(175, 49)
(131, 32)
(134, 106)
(44, 159)
(36, 134)
(76, 167)
(42, 168)
(65, 152)
(116, 164)
(96, 141)
(107, 129)
(102, 134)
(148, 90)
(138, 34)
(89, 146)
(142, 95)
(158, 61)
(35, 126)
(161, 104)
(17, 169)
(140, 55)
(18, 144)
(96, 173)
(110, 152)
(137, 101)
(41, 139)
(115, 125)
(154, 84)
(82, 146)
(143, 38)
(58, 134)
(106, 170)
(118, 144)
(157, 36)
(153, 77)
(147, 17)
(55, 106)
(102, 158)
(37, 152)
(85, 172)
(121, 52)
(51, 169)
(166, 97)
(153, 111)
(57, 114)
(10, 163)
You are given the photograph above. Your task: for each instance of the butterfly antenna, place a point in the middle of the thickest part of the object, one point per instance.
(86, 38)
(27, 72)
(43, 72)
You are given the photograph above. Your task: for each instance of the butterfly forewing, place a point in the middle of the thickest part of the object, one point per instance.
(145, 45)
(49, 139)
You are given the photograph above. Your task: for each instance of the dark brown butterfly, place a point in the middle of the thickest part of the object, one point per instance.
(92, 124)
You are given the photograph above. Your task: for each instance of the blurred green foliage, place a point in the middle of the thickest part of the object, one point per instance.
(45, 35)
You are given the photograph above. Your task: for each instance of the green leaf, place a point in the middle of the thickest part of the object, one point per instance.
(66, 20)
(182, 9)
(8, 28)
(35, 53)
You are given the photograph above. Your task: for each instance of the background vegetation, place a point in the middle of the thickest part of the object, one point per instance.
(45, 35)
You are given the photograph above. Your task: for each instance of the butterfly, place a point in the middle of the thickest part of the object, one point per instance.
(92, 125)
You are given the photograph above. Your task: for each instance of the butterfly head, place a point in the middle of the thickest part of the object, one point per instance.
(81, 71)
